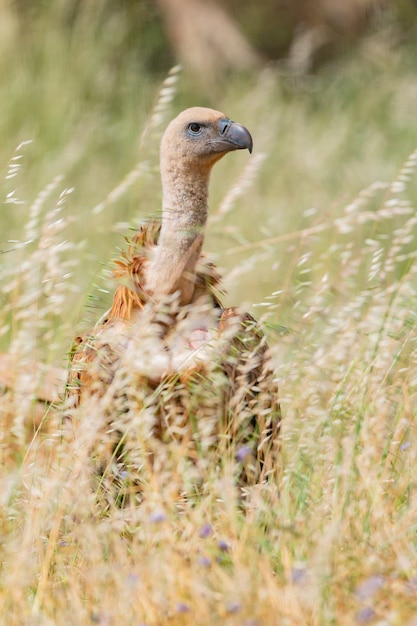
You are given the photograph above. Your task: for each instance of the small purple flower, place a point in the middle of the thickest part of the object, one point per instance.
(182, 607)
(242, 453)
(158, 516)
(205, 531)
(369, 587)
(204, 561)
(233, 607)
(365, 615)
(298, 575)
(132, 580)
(405, 445)
(223, 545)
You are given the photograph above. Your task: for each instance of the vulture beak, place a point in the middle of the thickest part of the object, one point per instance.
(233, 136)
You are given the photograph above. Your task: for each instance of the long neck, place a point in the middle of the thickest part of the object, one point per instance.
(184, 216)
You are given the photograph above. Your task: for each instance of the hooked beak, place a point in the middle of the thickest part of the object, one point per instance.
(233, 136)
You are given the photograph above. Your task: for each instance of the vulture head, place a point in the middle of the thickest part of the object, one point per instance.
(198, 137)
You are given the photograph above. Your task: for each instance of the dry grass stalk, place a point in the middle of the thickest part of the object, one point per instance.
(336, 544)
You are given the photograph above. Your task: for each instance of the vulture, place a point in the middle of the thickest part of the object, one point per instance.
(167, 363)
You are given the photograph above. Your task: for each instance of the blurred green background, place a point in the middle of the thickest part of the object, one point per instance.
(328, 90)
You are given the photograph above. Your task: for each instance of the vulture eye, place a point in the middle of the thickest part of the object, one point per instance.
(194, 128)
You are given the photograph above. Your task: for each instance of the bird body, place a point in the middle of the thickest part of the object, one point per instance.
(167, 348)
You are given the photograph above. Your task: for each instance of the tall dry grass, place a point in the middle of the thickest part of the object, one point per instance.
(332, 269)
(333, 542)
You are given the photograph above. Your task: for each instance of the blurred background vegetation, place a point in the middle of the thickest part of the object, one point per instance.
(328, 90)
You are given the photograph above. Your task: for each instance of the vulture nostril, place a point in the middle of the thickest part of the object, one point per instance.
(223, 125)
